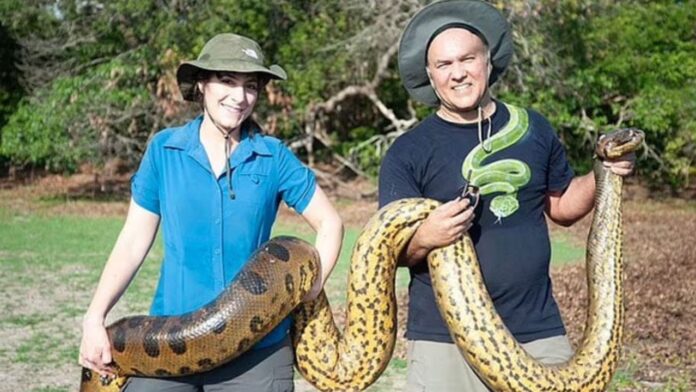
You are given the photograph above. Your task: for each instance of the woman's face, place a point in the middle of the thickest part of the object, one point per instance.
(229, 98)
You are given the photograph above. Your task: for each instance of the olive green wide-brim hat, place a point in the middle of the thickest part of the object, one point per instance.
(478, 17)
(228, 53)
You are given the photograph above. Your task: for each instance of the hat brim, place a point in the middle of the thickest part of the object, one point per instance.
(187, 71)
(478, 16)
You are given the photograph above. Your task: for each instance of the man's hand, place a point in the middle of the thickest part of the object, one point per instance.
(623, 165)
(443, 226)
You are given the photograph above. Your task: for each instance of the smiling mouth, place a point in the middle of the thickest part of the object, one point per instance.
(232, 108)
(462, 87)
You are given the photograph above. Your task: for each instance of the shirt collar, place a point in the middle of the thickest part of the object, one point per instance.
(187, 139)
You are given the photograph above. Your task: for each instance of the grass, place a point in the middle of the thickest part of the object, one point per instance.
(44, 349)
(564, 251)
(26, 320)
(335, 286)
(625, 376)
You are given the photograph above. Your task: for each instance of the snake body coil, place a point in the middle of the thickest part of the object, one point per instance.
(269, 286)
(353, 360)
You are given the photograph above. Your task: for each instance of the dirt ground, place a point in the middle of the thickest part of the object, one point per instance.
(660, 274)
(660, 290)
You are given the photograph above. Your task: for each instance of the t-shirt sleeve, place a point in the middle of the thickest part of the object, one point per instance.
(297, 182)
(145, 182)
(396, 176)
(560, 173)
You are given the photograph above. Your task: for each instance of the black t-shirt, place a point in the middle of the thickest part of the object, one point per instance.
(514, 251)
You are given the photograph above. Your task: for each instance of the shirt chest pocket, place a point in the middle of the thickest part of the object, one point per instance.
(253, 187)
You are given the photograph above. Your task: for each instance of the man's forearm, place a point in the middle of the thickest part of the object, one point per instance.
(576, 202)
(414, 252)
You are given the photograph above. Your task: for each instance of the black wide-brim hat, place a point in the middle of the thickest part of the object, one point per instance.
(478, 17)
(226, 53)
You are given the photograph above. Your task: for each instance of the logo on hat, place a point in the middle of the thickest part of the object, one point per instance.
(251, 53)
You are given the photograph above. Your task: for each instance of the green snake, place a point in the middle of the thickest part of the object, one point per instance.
(505, 175)
(352, 360)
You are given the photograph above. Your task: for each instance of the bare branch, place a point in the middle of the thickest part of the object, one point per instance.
(385, 21)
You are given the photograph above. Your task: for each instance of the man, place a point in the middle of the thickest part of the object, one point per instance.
(450, 54)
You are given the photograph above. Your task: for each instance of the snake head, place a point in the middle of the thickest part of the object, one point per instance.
(618, 143)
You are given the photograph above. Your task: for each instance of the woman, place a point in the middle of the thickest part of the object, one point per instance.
(215, 185)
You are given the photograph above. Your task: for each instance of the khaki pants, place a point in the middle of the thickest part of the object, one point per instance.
(440, 367)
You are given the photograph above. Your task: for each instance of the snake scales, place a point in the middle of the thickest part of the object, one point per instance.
(353, 360)
(269, 286)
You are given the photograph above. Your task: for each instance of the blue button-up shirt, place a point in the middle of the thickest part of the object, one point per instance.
(208, 237)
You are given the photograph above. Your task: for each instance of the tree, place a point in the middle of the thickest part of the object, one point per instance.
(10, 88)
(100, 78)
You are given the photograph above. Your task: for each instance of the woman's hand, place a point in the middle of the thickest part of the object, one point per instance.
(322, 216)
(316, 289)
(95, 349)
(128, 254)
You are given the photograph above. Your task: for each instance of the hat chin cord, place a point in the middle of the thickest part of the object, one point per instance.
(225, 134)
(488, 150)
(482, 141)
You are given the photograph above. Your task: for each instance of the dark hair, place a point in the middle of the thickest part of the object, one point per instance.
(204, 75)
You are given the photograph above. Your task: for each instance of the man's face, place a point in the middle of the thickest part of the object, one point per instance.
(229, 98)
(458, 66)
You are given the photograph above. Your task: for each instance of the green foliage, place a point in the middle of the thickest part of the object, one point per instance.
(53, 130)
(357, 147)
(25, 17)
(591, 66)
(315, 37)
(642, 67)
(100, 75)
(10, 89)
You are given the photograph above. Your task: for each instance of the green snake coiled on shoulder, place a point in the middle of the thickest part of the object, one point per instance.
(352, 360)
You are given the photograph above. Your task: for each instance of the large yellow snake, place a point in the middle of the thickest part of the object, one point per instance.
(353, 360)
(268, 288)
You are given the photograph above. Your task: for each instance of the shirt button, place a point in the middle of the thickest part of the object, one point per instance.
(217, 221)
(217, 251)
